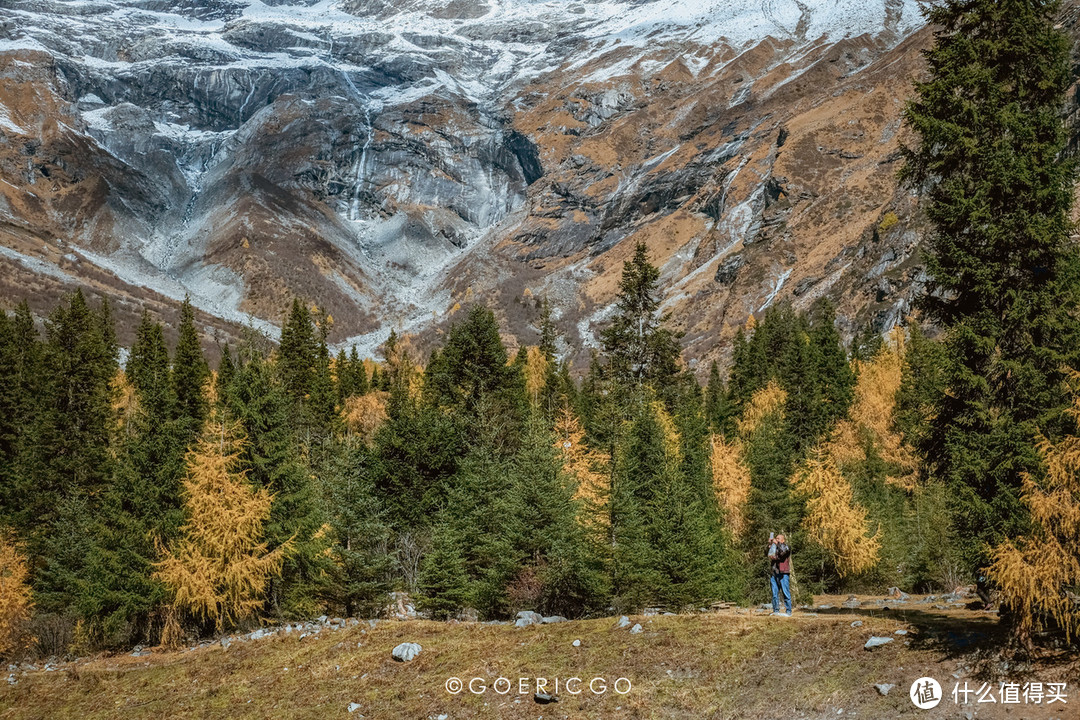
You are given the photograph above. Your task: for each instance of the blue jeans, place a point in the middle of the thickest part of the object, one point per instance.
(780, 582)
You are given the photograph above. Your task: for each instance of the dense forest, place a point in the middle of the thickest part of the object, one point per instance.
(155, 499)
(163, 498)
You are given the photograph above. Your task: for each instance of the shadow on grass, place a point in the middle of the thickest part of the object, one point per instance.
(952, 634)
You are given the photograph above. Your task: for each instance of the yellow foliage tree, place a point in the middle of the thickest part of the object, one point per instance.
(833, 518)
(584, 464)
(365, 414)
(219, 567)
(763, 403)
(536, 365)
(731, 481)
(871, 414)
(15, 602)
(1039, 575)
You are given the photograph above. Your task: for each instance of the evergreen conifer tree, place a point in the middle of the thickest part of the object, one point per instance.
(298, 352)
(272, 461)
(637, 345)
(1005, 275)
(362, 561)
(142, 504)
(190, 373)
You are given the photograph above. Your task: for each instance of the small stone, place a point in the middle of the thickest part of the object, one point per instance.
(636, 629)
(406, 652)
(857, 623)
(577, 643)
(353, 707)
(623, 622)
(544, 699)
(225, 643)
(900, 632)
(875, 641)
(551, 619)
(884, 688)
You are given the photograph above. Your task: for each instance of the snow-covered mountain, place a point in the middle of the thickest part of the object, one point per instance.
(391, 158)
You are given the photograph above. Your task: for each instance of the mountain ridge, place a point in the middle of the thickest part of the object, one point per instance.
(391, 160)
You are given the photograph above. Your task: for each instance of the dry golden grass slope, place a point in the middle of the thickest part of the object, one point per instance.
(732, 664)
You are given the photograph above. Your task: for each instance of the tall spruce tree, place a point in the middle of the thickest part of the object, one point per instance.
(1005, 275)
(298, 352)
(71, 463)
(260, 403)
(638, 347)
(363, 564)
(553, 540)
(21, 379)
(142, 504)
(190, 373)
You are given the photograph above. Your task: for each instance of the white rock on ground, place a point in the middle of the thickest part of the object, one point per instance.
(623, 622)
(884, 688)
(636, 629)
(528, 617)
(406, 652)
(875, 641)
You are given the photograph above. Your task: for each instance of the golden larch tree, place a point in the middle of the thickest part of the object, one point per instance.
(871, 414)
(535, 372)
(731, 481)
(365, 414)
(763, 403)
(582, 463)
(15, 599)
(1039, 574)
(219, 567)
(833, 518)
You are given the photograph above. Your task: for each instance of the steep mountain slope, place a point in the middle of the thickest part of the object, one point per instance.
(392, 159)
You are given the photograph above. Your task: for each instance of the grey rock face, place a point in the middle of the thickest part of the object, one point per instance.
(361, 151)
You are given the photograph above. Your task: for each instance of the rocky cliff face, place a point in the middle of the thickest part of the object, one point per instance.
(391, 159)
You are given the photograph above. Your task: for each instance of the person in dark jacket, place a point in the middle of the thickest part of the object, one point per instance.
(780, 561)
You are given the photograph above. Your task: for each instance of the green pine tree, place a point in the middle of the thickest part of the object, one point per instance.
(990, 162)
(190, 373)
(298, 352)
(71, 464)
(363, 565)
(260, 402)
(142, 504)
(638, 347)
(444, 582)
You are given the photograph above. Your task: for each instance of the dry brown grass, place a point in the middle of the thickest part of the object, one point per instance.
(726, 665)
